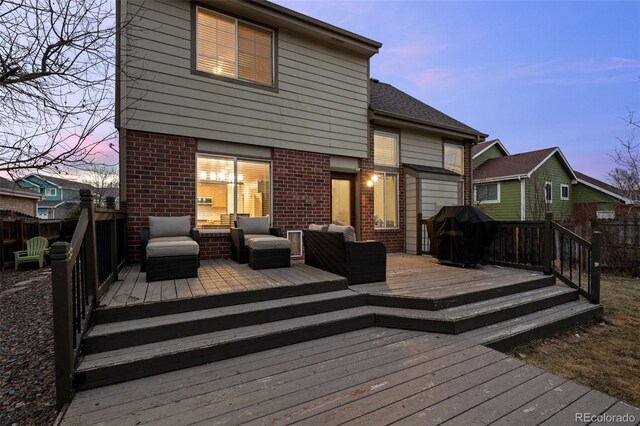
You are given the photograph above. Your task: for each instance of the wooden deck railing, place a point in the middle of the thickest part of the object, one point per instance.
(543, 246)
(81, 271)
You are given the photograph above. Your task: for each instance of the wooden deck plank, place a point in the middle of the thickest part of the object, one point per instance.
(139, 291)
(449, 408)
(196, 287)
(593, 402)
(494, 409)
(182, 288)
(620, 409)
(154, 291)
(123, 294)
(208, 382)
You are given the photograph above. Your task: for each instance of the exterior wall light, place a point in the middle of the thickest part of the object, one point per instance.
(371, 181)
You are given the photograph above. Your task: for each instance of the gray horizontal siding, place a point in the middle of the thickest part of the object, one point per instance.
(320, 106)
(421, 148)
(437, 194)
(411, 220)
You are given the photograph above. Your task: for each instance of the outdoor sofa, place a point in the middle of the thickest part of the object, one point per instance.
(254, 242)
(169, 248)
(334, 249)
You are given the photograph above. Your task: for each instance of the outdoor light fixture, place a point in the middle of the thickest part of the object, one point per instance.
(371, 181)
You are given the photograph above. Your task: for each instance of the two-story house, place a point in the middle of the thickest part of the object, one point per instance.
(59, 196)
(524, 186)
(15, 199)
(248, 108)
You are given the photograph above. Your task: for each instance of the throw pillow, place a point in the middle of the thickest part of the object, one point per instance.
(314, 227)
(348, 231)
(176, 226)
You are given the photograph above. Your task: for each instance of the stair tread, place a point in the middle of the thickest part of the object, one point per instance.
(183, 344)
(100, 330)
(501, 330)
(471, 310)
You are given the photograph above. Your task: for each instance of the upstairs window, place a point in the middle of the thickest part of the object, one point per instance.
(564, 192)
(50, 192)
(454, 158)
(385, 149)
(228, 47)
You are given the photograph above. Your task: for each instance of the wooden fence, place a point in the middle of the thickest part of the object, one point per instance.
(81, 272)
(620, 243)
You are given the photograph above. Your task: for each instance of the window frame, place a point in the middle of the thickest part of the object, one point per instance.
(235, 160)
(550, 199)
(54, 192)
(458, 146)
(396, 136)
(562, 197)
(475, 193)
(194, 49)
(382, 175)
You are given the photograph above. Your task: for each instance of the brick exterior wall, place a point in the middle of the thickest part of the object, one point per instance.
(161, 181)
(18, 204)
(586, 212)
(301, 189)
(467, 185)
(393, 239)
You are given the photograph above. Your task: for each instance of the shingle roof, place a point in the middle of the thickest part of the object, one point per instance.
(9, 186)
(600, 184)
(65, 183)
(386, 98)
(52, 204)
(512, 165)
(479, 147)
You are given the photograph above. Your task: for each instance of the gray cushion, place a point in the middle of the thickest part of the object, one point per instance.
(314, 227)
(254, 225)
(164, 239)
(269, 243)
(247, 237)
(169, 226)
(177, 247)
(348, 231)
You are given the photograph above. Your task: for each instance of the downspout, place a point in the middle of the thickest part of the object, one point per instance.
(523, 199)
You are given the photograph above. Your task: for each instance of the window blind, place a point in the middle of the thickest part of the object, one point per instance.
(385, 149)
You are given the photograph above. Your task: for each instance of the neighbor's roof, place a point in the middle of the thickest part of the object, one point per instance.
(52, 204)
(430, 169)
(9, 187)
(481, 147)
(602, 186)
(512, 166)
(65, 183)
(385, 98)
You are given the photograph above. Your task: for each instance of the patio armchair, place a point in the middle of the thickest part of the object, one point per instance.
(36, 249)
(254, 242)
(169, 249)
(336, 251)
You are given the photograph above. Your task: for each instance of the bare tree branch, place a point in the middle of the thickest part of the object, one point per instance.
(626, 175)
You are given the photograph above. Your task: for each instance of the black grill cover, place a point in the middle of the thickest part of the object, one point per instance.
(460, 234)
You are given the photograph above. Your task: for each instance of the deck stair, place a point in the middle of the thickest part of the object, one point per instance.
(130, 342)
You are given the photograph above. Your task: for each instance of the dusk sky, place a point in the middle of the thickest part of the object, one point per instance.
(533, 74)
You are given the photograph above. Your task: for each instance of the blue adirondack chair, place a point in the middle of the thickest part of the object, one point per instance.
(36, 248)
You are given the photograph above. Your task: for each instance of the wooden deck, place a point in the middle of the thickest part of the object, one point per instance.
(407, 276)
(372, 376)
(215, 277)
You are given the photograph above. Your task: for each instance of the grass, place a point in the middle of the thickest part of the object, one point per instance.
(603, 355)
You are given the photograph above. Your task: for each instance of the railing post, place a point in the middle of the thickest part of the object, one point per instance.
(86, 201)
(547, 252)
(62, 321)
(596, 260)
(113, 229)
(419, 234)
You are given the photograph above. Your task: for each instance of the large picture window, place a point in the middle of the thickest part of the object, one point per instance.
(454, 158)
(232, 48)
(231, 187)
(385, 200)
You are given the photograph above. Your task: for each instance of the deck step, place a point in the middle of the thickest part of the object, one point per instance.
(456, 295)
(508, 334)
(474, 315)
(116, 335)
(104, 315)
(125, 364)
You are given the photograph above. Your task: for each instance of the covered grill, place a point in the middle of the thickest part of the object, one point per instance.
(460, 235)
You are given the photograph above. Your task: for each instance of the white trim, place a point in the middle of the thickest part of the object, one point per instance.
(21, 193)
(384, 201)
(24, 179)
(523, 200)
(612, 194)
(548, 201)
(490, 144)
(54, 194)
(562, 186)
(555, 150)
(500, 178)
(475, 193)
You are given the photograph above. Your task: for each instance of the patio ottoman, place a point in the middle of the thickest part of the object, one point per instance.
(170, 258)
(269, 252)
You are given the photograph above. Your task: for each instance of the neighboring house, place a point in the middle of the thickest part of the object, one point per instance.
(14, 198)
(522, 186)
(249, 108)
(60, 196)
(594, 199)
